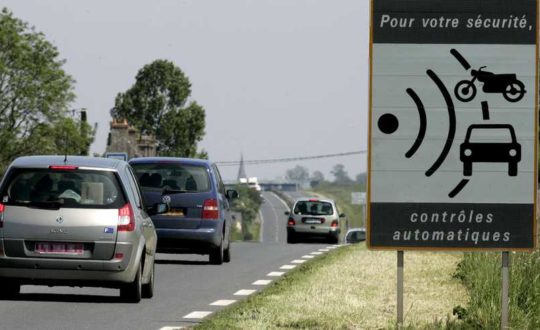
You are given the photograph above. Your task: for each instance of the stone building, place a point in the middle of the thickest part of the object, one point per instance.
(123, 137)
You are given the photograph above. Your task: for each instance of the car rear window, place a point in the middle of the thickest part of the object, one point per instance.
(313, 208)
(172, 176)
(75, 188)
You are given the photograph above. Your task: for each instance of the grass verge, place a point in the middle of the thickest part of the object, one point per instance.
(351, 288)
(481, 274)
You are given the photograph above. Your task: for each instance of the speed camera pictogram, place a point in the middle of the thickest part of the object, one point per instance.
(453, 103)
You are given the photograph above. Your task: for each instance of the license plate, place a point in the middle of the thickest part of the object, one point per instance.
(175, 213)
(312, 221)
(59, 248)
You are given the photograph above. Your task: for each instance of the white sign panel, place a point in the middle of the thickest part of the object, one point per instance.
(452, 159)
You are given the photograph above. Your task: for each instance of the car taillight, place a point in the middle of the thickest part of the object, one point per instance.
(291, 222)
(210, 209)
(126, 218)
(2, 207)
(334, 224)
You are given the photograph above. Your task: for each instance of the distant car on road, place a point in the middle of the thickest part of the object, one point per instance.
(490, 143)
(199, 220)
(75, 221)
(355, 235)
(314, 217)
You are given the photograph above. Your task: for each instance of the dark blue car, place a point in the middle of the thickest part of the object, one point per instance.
(199, 220)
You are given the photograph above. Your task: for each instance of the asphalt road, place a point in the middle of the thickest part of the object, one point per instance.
(186, 286)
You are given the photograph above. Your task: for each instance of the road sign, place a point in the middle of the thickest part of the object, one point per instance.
(358, 197)
(453, 125)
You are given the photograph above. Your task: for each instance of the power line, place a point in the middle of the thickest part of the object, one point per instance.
(291, 159)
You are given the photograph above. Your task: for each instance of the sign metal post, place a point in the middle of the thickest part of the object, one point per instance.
(504, 291)
(400, 262)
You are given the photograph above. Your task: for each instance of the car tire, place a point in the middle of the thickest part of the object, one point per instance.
(334, 239)
(291, 238)
(9, 289)
(148, 288)
(216, 254)
(131, 292)
(227, 253)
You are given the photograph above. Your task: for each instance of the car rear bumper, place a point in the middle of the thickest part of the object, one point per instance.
(317, 231)
(34, 269)
(188, 240)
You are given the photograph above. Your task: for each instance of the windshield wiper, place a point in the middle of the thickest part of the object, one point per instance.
(173, 191)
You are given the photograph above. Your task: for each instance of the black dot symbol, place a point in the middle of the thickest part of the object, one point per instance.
(388, 123)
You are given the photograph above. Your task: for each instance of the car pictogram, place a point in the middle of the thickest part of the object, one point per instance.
(490, 143)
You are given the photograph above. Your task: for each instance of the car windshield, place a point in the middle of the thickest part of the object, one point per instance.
(313, 208)
(492, 135)
(63, 188)
(173, 177)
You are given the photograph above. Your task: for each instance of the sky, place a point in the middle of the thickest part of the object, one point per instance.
(277, 78)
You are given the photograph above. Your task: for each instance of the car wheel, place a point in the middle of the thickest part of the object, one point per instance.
(131, 292)
(216, 254)
(227, 253)
(148, 289)
(9, 289)
(334, 239)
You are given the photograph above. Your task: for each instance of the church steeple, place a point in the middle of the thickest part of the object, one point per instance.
(241, 170)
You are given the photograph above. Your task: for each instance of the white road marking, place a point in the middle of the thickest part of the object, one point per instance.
(262, 282)
(223, 302)
(275, 274)
(276, 222)
(281, 200)
(172, 328)
(197, 315)
(287, 267)
(244, 292)
(298, 261)
(316, 253)
(307, 256)
(324, 250)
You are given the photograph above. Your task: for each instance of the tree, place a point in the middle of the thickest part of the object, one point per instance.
(35, 94)
(247, 204)
(341, 176)
(156, 105)
(361, 178)
(316, 178)
(299, 174)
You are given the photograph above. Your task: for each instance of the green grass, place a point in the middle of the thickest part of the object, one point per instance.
(342, 195)
(351, 288)
(481, 274)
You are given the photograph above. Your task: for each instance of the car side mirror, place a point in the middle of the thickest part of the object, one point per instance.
(287, 213)
(231, 194)
(158, 208)
(342, 215)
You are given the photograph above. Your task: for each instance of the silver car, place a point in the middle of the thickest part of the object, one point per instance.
(314, 217)
(77, 221)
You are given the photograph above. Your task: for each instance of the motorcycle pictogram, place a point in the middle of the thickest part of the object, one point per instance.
(506, 83)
